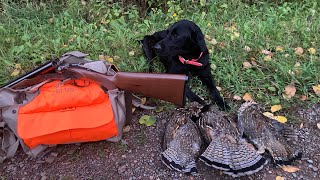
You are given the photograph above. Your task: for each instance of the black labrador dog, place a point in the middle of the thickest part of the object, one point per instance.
(182, 50)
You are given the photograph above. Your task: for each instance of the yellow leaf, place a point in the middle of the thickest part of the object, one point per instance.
(210, 51)
(110, 60)
(298, 51)
(247, 97)
(15, 72)
(238, 98)
(101, 57)
(276, 108)
(279, 48)
(281, 119)
(174, 14)
(269, 115)
(290, 169)
(246, 65)
(290, 91)
(316, 89)
(18, 66)
(279, 178)
(267, 58)
(236, 34)
(209, 25)
(312, 50)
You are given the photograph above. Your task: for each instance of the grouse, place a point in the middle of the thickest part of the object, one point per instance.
(267, 134)
(182, 140)
(227, 151)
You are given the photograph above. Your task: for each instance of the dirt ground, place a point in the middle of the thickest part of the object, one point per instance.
(138, 156)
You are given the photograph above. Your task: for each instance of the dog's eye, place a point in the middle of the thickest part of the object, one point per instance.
(175, 35)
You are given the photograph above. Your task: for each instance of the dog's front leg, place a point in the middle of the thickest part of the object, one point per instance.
(209, 82)
(193, 97)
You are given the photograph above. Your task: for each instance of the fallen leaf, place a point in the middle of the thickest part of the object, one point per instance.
(269, 115)
(126, 129)
(286, 55)
(246, 65)
(15, 72)
(267, 58)
(238, 98)
(51, 20)
(103, 21)
(101, 57)
(159, 109)
(266, 52)
(279, 48)
(131, 53)
(290, 91)
(218, 88)
(214, 42)
(17, 69)
(275, 108)
(110, 60)
(147, 120)
(316, 89)
(210, 51)
(290, 169)
(303, 97)
(281, 119)
(318, 125)
(312, 50)
(236, 34)
(133, 110)
(83, 2)
(247, 49)
(297, 64)
(298, 51)
(247, 97)
(279, 178)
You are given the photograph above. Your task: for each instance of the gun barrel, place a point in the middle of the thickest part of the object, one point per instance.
(40, 70)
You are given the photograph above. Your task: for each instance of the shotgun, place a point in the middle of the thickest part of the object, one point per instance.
(167, 87)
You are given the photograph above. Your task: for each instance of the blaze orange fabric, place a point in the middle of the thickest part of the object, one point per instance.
(77, 111)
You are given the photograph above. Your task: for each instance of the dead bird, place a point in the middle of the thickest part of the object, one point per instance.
(227, 151)
(267, 134)
(182, 140)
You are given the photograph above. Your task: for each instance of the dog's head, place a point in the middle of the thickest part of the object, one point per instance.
(183, 37)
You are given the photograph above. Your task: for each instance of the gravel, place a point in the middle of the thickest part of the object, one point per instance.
(138, 156)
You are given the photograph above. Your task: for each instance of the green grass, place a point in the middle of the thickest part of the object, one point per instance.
(28, 36)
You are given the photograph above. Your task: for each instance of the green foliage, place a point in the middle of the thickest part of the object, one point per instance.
(32, 32)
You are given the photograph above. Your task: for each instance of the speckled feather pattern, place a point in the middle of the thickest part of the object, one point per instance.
(266, 133)
(227, 151)
(182, 141)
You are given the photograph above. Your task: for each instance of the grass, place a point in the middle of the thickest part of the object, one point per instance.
(32, 33)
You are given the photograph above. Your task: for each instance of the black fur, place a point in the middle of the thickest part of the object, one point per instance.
(183, 38)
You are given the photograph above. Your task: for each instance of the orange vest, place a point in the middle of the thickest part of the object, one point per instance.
(79, 111)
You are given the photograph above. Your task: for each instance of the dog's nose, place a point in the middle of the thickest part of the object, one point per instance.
(157, 47)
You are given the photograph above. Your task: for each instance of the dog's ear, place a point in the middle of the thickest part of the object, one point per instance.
(198, 38)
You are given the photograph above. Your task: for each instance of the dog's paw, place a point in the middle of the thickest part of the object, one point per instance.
(223, 106)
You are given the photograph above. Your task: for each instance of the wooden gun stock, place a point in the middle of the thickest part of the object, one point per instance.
(167, 87)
